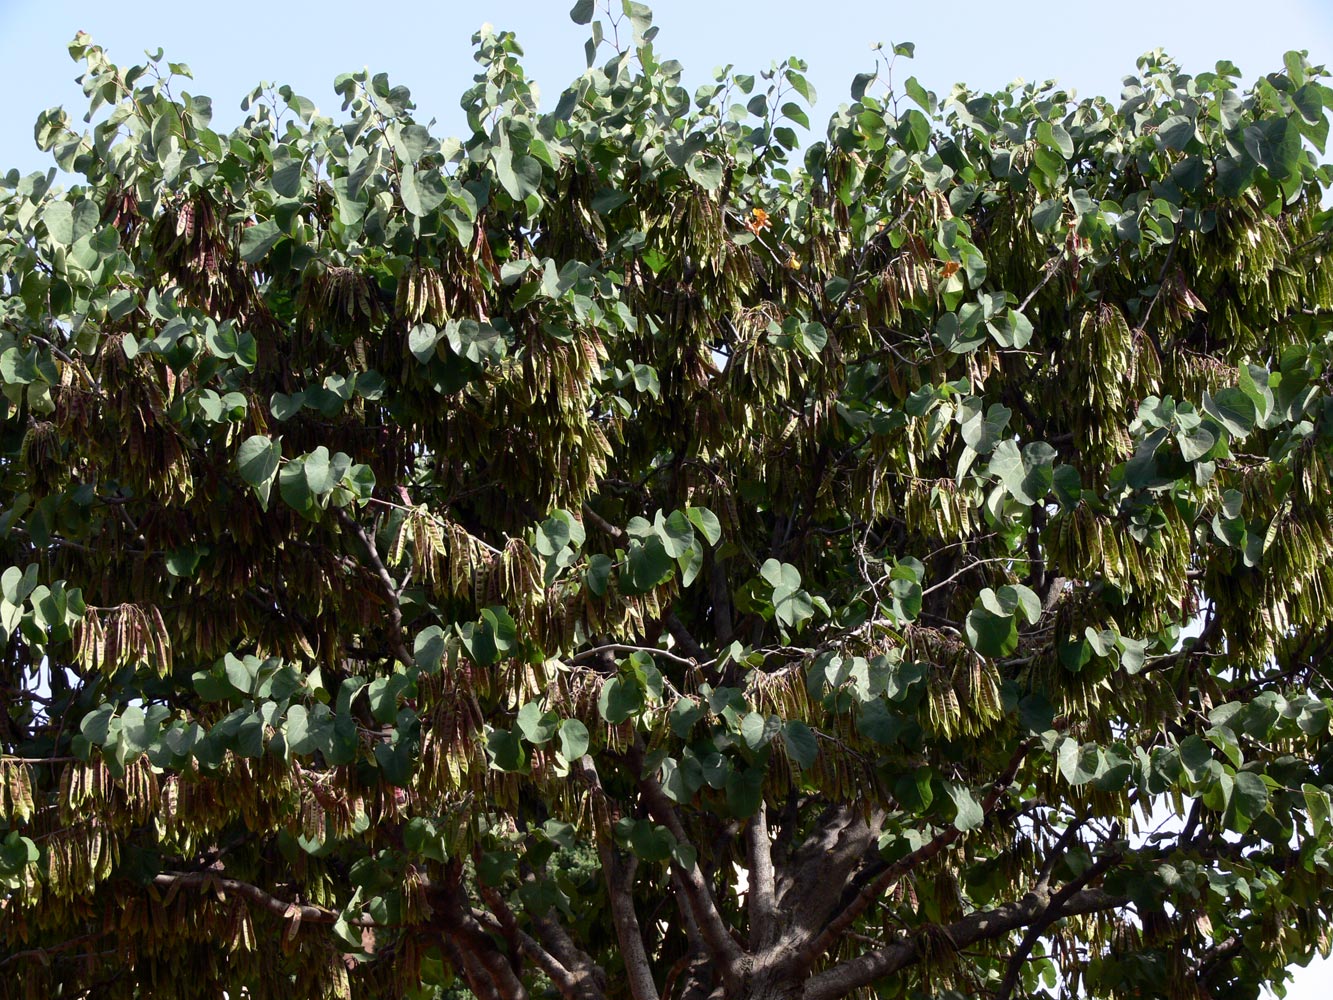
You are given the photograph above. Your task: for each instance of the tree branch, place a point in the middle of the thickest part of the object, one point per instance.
(683, 638)
(488, 971)
(1053, 912)
(986, 925)
(304, 913)
(723, 948)
(626, 921)
(620, 647)
(761, 896)
(501, 921)
(820, 944)
(399, 635)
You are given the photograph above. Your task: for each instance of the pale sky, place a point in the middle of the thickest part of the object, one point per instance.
(1088, 45)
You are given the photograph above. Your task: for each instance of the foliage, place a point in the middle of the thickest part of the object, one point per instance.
(621, 554)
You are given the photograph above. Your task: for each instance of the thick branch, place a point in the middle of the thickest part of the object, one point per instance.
(1053, 912)
(873, 890)
(826, 939)
(723, 948)
(557, 941)
(489, 972)
(987, 925)
(626, 921)
(501, 921)
(761, 896)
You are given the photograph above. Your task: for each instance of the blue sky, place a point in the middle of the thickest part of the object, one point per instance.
(1086, 44)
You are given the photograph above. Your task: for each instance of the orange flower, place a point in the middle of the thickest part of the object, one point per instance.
(759, 221)
(950, 269)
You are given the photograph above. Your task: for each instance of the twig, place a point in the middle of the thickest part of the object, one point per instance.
(398, 641)
(620, 647)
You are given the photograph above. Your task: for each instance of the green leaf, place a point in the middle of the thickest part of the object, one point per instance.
(96, 725)
(876, 722)
(295, 490)
(428, 648)
(1078, 763)
(240, 673)
(537, 727)
(915, 130)
(983, 431)
(707, 523)
(519, 175)
(1249, 798)
(258, 240)
(318, 471)
(555, 533)
(423, 190)
(1054, 136)
(691, 563)
(1026, 475)
(59, 219)
(1047, 214)
(755, 730)
(257, 460)
(1318, 806)
(182, 562)
(598, 573)
(651, 842)
(1196, 442)
(582, 11)
(907, 597)
(620, 698)
(573, 739)
(505, 750)
(1017, 597)
(745, 791)
(676, 534)
(1233, 409)
(1275, 144)
(421, 341)
(649, 565)
(421, 837)
(706, 171)
(967, 810)
(990, 634)
(1176, 132)
(16, 584)
(285, 407)
(802, 746)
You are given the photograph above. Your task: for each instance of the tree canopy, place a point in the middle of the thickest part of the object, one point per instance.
(628, 552)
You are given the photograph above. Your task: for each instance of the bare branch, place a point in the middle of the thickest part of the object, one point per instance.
(723, 948)
(302, 912)
(501, 921)
(1053, 912)
(761, 896)
(626, 921)
(398, 638)
(684, 639)
(826, 939)
(620, 647)
(986, 925)
(606, 526)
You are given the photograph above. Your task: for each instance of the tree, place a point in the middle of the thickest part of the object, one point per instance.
(620, 554)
